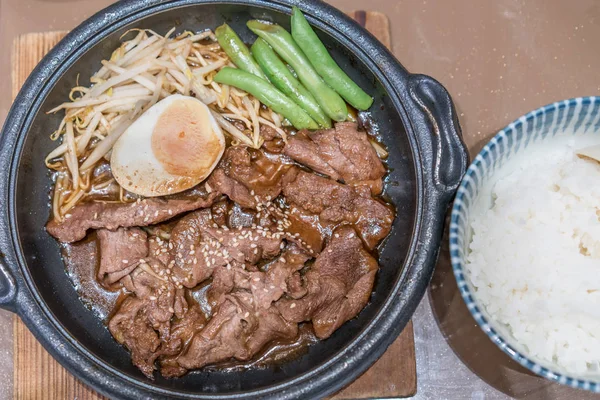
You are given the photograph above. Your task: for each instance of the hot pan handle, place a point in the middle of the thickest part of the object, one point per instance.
(8, 288)
(444, 159)
(439, 136)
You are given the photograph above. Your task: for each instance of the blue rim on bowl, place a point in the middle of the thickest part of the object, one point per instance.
(576, 115)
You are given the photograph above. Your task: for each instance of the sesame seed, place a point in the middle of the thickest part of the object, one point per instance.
(265, 290)
(351, 235)
(337, 235)
(247, 314)
(192, 252)
(195, 260)
(253, 245)
(156, 213)
(240, 254)
(146, 219)
(329, 250)
(256, 279)
(125, 261)
(282, 260)
(171, 310)
(272, 287)
(255, 251)
(253, 287)
(252, 193)
(152, 298)
(292, 305)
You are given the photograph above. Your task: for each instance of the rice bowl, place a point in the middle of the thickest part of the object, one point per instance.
(523, 242)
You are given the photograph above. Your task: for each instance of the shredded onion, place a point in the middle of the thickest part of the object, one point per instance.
(381, 152)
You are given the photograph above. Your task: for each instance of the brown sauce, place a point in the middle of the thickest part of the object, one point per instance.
(277, 352)
(82, 258)
(82, 261)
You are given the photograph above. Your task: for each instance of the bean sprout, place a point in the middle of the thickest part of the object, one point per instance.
(142, 71)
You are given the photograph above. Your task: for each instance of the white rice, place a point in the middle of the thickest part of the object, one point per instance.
(535, 258)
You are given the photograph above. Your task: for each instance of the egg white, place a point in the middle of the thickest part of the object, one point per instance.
(135, 166)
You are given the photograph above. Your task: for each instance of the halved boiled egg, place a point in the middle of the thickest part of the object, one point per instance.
(171, 147)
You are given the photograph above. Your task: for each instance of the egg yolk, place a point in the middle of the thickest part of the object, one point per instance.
(183, 140)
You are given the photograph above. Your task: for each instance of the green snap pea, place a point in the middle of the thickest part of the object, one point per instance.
(281, 41)
(238, 51)
(282, 78)
(325, 65)
(266, 94)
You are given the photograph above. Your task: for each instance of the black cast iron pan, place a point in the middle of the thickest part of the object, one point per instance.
(427, 160)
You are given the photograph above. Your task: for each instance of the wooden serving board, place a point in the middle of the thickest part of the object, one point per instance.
(36, 374)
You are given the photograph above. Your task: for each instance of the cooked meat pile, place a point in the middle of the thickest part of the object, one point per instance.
(248, 232)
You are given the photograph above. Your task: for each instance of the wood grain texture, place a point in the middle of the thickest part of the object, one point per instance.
(393, 375)
(27, 51)
(38, 377)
